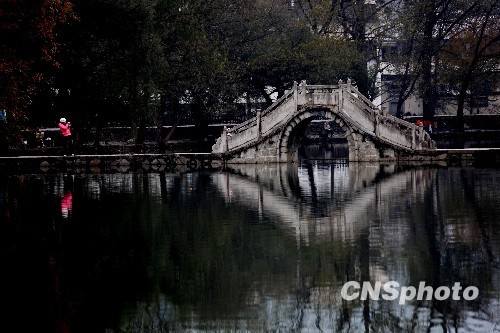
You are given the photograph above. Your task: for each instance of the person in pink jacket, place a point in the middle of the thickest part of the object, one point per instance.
(65, 131)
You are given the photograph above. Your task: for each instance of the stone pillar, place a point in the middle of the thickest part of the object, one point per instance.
(349, 85)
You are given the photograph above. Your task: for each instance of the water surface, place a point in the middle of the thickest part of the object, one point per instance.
(253, 248)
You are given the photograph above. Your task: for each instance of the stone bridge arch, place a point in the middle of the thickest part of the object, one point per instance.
(357, 143)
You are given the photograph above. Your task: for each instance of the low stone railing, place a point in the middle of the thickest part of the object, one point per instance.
(250, 131)
(393, 130)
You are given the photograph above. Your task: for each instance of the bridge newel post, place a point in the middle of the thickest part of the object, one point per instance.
(349, 82)
(341, 96)
(413, 143)
(295, 94)
(421, 134)
(259, 123)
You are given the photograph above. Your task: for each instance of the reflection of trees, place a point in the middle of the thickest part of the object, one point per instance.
(466, 222)
(258, 248)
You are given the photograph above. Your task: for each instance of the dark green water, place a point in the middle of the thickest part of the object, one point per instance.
(256, 248)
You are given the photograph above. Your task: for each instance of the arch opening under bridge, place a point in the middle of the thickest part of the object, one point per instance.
(293, 144)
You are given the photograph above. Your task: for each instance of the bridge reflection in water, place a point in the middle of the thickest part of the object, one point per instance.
(386, 224)
(268, 247)
(334, 202)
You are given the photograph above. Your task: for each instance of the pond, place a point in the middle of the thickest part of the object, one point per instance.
(250, 248)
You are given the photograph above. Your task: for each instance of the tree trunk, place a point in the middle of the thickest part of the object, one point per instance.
(142, 110)
(172, 118)
(98, 131)
(160, 139)
(399, 108)
(141, 129)
(428, 95)
(361, 67)
(460, 126)
(201, 123)
(4, 145)
(358, 32)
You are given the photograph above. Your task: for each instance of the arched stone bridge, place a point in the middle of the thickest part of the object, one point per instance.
(274, 135)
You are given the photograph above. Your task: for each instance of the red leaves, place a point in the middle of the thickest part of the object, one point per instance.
(30, 47)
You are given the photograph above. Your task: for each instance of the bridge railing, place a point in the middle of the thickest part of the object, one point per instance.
(250, 130)
(357, 112)
(320, 86)
(279, 101)
(252, 122)
(403, 133)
